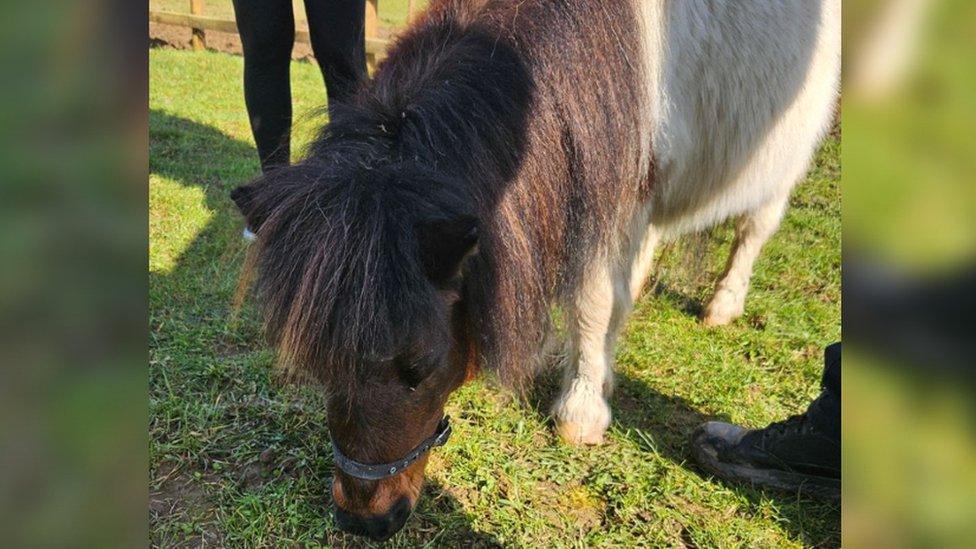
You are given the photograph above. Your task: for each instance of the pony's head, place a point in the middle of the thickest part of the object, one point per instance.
(358, 271)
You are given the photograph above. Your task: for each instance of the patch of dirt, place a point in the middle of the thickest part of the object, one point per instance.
(570, 501)
(179, 496)
(265, 469)
(171, 36)
(228, 348)
(253, 475)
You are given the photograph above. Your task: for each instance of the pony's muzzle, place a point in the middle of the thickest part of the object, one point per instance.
(378, 528)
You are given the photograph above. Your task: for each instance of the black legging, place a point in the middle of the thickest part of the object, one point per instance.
(267, 29)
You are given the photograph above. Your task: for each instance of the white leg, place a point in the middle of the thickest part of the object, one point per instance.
(643, 259)
(728, 302)
(581, 411)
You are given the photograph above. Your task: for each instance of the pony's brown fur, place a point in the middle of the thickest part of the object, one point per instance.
(522, 114)
(443, 213)
(578, 178)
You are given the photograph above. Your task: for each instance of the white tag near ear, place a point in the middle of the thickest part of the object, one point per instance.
(249, 235)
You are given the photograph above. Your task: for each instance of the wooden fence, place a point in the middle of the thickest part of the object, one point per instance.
(199, 23)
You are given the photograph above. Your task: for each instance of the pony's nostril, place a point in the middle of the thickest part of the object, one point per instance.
(350, 523)
(382, 528)
(399, 513)
(379, 528)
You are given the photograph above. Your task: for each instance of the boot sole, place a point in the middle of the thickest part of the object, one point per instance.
(773, 479)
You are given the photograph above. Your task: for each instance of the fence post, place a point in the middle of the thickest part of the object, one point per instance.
(372, 30)
(199, 39)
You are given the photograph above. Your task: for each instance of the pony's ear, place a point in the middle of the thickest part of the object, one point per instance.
(445, 243)
(243, 196)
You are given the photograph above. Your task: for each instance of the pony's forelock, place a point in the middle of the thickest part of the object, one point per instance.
(339, 275)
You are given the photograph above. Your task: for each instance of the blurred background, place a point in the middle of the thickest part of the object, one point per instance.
(73, 281)
(909, 278)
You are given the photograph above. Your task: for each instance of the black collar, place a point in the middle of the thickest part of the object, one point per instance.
(380, 471)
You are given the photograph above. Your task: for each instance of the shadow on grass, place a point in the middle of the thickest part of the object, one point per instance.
(688, 305)
(663, 424)
(670, 421)
(441, 521)
(190, 307)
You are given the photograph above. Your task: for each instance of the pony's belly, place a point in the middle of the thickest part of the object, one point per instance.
(737, 104)
(707, 198)
(710, 193)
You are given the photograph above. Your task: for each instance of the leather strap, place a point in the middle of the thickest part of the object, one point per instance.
(366, 471)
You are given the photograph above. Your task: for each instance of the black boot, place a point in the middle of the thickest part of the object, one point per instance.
(800, 454)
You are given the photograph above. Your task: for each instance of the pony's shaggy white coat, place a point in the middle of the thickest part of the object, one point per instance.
(739, 93)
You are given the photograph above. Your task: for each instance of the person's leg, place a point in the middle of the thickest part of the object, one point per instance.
(801, 453)
(337, 30)
(267, 30)
(919, 320)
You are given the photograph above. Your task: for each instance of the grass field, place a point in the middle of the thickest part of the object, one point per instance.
(239, 458)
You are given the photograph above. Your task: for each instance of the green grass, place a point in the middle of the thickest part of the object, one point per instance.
(238, 457)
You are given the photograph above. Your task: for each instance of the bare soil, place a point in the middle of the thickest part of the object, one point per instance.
(178, 497)
(171, 36)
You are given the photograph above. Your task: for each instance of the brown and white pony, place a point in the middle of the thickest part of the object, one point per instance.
(509, 157)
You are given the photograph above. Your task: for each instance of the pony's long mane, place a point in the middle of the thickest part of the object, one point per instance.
(522, 114)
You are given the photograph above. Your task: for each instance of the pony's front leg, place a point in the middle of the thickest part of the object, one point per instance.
(581, 412)
(728, 301)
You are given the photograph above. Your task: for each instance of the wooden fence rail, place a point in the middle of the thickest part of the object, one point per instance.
(199, 23)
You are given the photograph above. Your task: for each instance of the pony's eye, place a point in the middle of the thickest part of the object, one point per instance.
(410, 377)
(412, 374)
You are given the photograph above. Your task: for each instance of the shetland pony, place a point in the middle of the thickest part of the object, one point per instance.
(509, 157)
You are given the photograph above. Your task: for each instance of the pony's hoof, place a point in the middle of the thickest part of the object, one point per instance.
(582, 414)
(712, 320)
(720, 314)
(579, 434)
